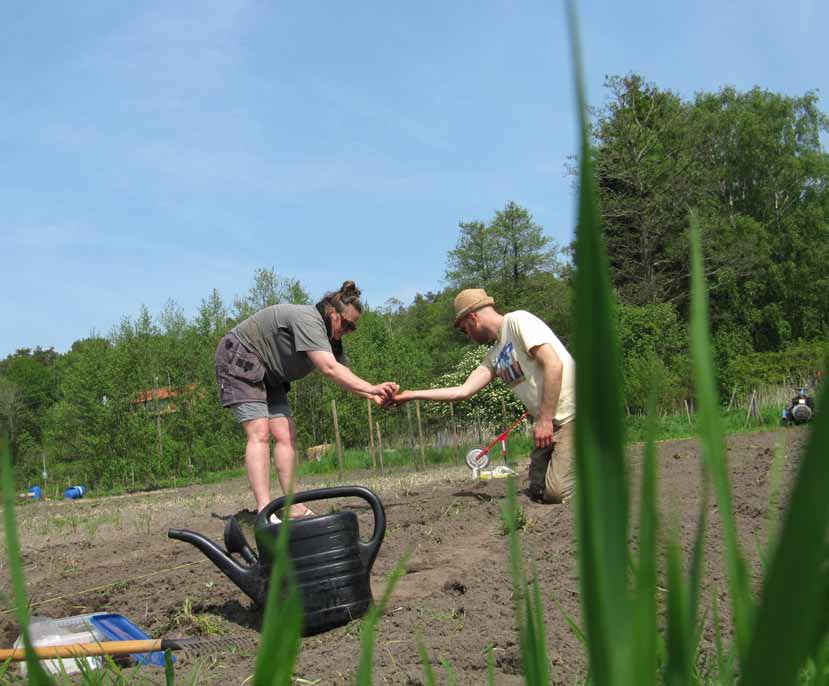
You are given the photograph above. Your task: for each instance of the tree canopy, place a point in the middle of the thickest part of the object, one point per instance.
(752, 165)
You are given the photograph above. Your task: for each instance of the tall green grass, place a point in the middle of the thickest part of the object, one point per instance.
(772, 639)
(282, 622)
(37, 675)
(780, 638)
(529, 609)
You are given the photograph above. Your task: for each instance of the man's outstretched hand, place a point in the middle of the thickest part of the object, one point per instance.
(399, 398)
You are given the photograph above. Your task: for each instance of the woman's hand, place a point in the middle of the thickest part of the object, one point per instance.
(385, 390)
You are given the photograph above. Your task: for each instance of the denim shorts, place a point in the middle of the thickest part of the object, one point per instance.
(244, 412)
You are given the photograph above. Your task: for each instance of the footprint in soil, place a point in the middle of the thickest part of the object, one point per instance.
(454, 587)
(508, 659)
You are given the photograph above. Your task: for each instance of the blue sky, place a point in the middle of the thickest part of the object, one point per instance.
(156, 151)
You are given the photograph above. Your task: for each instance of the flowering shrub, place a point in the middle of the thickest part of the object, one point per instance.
(486, 406)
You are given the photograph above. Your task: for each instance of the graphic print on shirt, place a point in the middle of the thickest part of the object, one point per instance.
(507, 366)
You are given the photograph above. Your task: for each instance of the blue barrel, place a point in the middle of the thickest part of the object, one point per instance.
(74, 492)
(35, 492)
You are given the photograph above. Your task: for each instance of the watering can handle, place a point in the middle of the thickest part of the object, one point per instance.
(368, 549)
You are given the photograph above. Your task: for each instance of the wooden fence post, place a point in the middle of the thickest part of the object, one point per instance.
(753, 409)
(337, 436)
(411, 430)
(371, 437)
(380, 448)
(454, 429)
(420, 435)
(733, 394)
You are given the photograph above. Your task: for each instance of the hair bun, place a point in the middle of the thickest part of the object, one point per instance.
(350, 288)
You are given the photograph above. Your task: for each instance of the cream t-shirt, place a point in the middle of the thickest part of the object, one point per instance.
(510, 360)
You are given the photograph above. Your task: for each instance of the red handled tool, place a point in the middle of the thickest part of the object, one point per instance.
(480, 458)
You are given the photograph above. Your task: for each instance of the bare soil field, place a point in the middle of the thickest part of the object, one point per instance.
(113, 555)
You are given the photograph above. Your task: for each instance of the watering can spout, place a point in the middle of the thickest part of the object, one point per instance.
(246, 578)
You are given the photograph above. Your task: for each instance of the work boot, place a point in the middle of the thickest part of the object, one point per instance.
(539, 461)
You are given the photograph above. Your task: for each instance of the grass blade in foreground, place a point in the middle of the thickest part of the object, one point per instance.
(646, 636)
(368, 631)
(678, 668)
(790, 607)
(601, 492)
(37, 675)
(711, 442)
(282, 624)
(529, 610)
(428, 672)
(169, 669)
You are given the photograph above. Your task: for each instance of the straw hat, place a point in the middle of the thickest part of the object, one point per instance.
(469, 300)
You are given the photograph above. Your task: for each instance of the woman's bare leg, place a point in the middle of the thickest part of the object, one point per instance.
(283, 430)
(257, 460)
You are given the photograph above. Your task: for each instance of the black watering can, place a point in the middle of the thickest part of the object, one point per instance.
(331, 564)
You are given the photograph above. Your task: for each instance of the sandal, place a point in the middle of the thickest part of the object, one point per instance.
(307, 513)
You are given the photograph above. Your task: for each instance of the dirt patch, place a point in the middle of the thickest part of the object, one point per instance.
(113, 555)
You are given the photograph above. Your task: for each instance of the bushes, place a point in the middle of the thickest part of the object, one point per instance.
(794, 366)
(486, 405)
(646, 374)
(654, 355)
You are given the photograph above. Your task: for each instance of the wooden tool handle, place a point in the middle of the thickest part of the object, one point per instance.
(85, 650)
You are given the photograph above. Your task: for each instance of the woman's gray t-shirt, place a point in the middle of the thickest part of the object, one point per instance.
(282, 336)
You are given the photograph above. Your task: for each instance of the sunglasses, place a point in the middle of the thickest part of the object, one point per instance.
(347, 324)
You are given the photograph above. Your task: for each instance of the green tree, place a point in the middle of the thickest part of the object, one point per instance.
(523, 248)
(647, 181)
(212, 318)
(769, 178)
(503, 255)
(752, 165)
(428, 321)
(653, 341)
(9, 407)
(474, 261)
(85, 430)
(268, 289)
(33, 375)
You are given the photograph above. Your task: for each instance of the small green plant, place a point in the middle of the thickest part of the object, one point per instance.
(529, 609)
(142, 521)
(522, 520)
(90, 528)
(62, 523)
(185, 622)
(369, 627)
